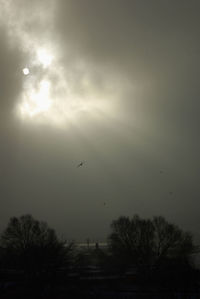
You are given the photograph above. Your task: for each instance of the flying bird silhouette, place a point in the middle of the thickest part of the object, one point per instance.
(80, 164)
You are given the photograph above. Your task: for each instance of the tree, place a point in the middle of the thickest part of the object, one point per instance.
(170, 241)
(146, 243)
(131, 240)
(34, 247)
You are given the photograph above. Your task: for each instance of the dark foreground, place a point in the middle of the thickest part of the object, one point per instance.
(92, 284)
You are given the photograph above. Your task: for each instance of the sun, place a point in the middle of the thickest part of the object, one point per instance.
(36, 95)
(26, 71)
(53, 95)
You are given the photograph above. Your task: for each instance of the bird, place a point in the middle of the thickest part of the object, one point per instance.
(80, 164)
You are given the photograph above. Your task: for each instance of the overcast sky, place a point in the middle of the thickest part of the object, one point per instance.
(114, 83)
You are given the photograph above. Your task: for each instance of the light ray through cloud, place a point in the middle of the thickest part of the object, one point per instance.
(53, 93)
(44, 57)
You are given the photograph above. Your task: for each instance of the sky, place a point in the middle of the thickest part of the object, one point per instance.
(114, 84)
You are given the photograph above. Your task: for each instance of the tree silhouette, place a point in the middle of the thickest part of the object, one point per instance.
(146, 243)
(131, 241)
(170, 241)
(33, 247)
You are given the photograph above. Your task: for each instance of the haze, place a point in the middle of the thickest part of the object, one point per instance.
(112, 83)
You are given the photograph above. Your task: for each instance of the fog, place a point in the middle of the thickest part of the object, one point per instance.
(112, 83)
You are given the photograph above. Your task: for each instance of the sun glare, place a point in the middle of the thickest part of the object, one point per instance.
(37, 101)
(26, 71)
(44, 57)
(50, 96)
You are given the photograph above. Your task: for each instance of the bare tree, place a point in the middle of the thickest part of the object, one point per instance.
(32, 246)
(170, 240)
(132, 239)
(143, 242)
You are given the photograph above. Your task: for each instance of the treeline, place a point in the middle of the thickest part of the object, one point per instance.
(154, 249)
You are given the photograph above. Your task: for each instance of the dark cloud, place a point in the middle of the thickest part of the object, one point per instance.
(138, 35)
